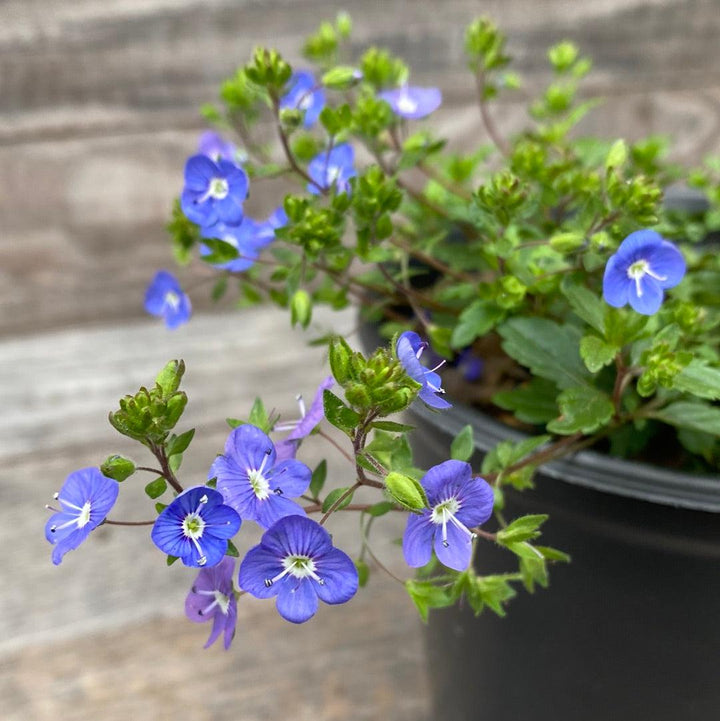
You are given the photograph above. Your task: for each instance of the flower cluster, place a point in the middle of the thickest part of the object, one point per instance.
(539, 277)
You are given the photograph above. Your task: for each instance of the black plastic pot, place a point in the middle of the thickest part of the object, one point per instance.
(629, 630)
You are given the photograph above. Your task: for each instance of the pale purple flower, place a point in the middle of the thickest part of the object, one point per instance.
(214, 192)
(252, 480)
(165, 298)
(306, 95)
(644, 266)
(409, 349)
(296, 561)
(85, 499)
(215, 147)
(332, 167)
(457, 503)
(212, 598)
(196, 527)
(248, 238)
(412, 102)
(287, 447)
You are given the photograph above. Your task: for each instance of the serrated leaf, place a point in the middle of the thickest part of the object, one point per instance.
(332, 498)
(596, 353)
(318, 479)
(521, 529)
(156, 488)
(699, 379)
(179, 444)
(426, 595)
(479, 318)
(581, 409)
(533, 403)
(463, 445)
(548, 349)
(338, 414)
(686, 414)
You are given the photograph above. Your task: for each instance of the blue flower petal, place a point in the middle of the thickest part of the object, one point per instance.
(615, 282)
(667, 261)
(268, 512)
(437, 478)
(417, 540)
(248, 446)
(297, 535)
(223, 522)
(340, 577)
(476, 502)
(259, 565)
(201, 213)
(457, 553)
(230, 209)
(199, 171)
(69, 543)
(290, 477)
(297, 601)
(650, 299)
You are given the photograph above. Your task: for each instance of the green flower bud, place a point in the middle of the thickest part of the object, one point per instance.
(406, 491)
(301, 308)
(342, 77)
(340, 355)
(117, 467)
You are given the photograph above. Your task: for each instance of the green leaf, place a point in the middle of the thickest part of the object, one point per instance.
(179, 444)
(553, 554)
(686, 414)
(300, 308)
(617, 155)
(699, 379)
(169, 377)
(548, 349)
(426, 595)
(380, 509)
(363, 572)
(491, 591)
(232, 550)
(171, 559)
(160, 507)
(581, 409)
(533, 403)
(521, 529)
(156, 488)
(338, 414)
(219, 289)
(391, 426)
(463, 445)
(332, 498)
(596, 353)
(259, 417)
(585, 303)
(479, 318)
(220, 251)
(318, 479)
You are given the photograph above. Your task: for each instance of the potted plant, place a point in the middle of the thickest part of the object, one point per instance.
(553, 290)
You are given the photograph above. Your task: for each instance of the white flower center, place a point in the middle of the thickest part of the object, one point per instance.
(218, 188)
(406, 104)
(296, 565)
(638, 270)
(219, 599)
(333, 173)
(258, 482)
(193, 526)
(172, 299)
(305, 101)
(444, 512)
(84, 517)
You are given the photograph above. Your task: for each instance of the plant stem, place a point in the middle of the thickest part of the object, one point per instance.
(498, 141)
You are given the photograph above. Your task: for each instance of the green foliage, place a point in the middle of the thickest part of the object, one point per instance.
(463, 445)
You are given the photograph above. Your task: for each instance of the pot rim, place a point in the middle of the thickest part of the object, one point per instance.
(695, 491)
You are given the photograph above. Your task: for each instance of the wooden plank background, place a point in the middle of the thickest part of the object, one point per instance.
(98, 106)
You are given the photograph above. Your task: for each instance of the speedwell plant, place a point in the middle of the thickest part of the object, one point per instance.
(545, 275)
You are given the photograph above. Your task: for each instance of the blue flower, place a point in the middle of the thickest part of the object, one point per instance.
(409, 349)
(214, 191)
(212, 597)
(253, 483)
(304, 94)
(302, 428)
(458, 502)
(195, 527)
(215, 147)
(332, 167)
(85, 498)
(412, 102)
(249, 238)
(166, 299)
(644, 265)
(297, 562)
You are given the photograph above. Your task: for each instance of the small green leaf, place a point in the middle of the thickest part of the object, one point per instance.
(160, 507)
(463, 445)
(596, 353)
(259, 417)
(363, 572)
(426, 595)
(582, 409)
(521, 529)
(586, 304)
(391, 426)
(699, 379)
(171, 559)
(179, 444)
(156, 488)
(553, 554)
(318, 479)
(232, 550)
(338, 414)
(332, 498)
(380, 509)
(479, 318)
(617, 155)
(686, 414)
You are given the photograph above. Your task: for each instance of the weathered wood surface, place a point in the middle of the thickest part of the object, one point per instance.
(98, 109)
